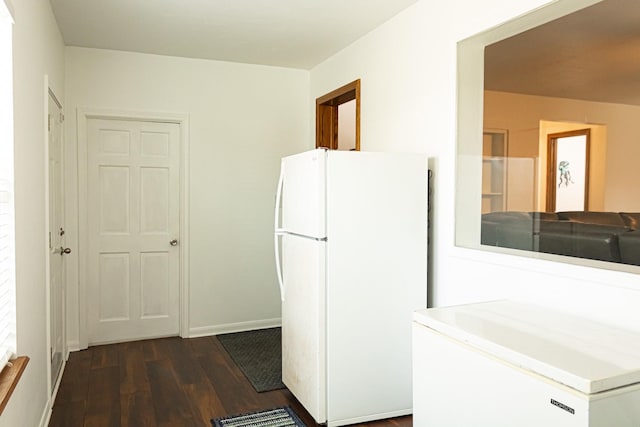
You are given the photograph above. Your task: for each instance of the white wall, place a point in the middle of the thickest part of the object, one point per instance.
(37, 51)
(243, 119)
(408, 72)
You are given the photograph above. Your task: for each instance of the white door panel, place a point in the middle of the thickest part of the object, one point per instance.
(114, 286)
(154, 200)
(303, 320)
(303, 193)
(154, 285)
(133, 214)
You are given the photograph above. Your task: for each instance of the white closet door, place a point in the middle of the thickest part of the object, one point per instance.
(133, 224)
(56, 242)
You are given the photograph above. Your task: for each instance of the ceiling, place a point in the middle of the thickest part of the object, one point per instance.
(287, 33)
(592, 54)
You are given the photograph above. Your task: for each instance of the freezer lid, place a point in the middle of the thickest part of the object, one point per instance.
(304, 194)
(588, 356)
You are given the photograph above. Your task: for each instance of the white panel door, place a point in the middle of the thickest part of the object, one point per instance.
(56, 241)
(133, 225)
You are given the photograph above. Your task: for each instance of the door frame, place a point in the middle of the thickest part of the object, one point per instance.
(327, 114)
(182, 120)
(552, 149)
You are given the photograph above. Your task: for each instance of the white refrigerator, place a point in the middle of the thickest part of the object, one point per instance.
(351, 257)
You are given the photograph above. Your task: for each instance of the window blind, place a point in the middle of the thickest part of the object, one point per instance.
(7, 274)
(7, 220)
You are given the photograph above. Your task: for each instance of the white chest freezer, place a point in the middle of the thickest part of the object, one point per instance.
(506, 364)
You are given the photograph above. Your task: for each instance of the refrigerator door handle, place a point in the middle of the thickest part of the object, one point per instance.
(278, 232)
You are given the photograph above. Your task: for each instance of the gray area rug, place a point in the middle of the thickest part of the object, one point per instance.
(259, 355)
(279, 417)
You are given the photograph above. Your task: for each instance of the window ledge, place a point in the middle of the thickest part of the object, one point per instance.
(9, 378)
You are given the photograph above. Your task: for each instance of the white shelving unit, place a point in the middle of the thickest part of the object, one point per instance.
(494, 170)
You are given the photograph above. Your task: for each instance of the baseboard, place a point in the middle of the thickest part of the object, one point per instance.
(46, 415)
(73, 346)
(56, 386)
(48, 409)
(204, 331)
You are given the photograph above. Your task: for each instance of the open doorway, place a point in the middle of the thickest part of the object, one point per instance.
(338, 118)
(568, 171)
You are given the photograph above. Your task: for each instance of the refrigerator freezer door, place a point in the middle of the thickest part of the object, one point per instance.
(303, 194)
(303, 320)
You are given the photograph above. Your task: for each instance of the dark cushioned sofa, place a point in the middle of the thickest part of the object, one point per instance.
(605, 236)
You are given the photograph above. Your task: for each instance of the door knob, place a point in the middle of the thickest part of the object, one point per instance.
(64, 250)
(174, 242)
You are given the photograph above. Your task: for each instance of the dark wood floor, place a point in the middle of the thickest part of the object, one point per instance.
(169, 382)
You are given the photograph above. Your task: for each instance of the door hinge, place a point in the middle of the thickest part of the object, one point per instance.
(49, 123)
(61, 117)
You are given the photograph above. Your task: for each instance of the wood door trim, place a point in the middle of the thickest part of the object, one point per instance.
(340, 95)
(551, 172)
(327, 114)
